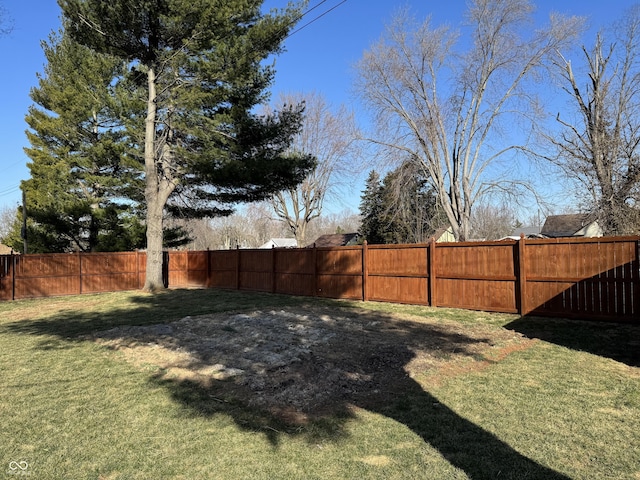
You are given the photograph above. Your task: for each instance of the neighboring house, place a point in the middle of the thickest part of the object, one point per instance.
(443, 234)
(528, 232)
(572, 225)
(280, 243)
(4, 250)
(336, 240)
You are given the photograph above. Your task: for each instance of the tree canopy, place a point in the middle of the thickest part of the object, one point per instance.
(439, 102)
(328, 135)
(194, 72)
(599, 146)
(400, 208)
(82, 192)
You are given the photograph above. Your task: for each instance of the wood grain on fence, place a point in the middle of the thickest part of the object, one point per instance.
(398, 274)
(578, 278)
(584, 278)
(44, 275)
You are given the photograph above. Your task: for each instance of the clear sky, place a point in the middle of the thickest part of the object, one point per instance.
(319, 58)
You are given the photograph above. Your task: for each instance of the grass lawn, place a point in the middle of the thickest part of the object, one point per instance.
(559, 400)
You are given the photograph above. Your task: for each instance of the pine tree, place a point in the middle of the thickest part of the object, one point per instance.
(401, 208)
(78, 196)
(410, 212)
(371, 210)
(195, 74)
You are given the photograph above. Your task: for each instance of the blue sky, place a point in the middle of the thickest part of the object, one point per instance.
(318, 58)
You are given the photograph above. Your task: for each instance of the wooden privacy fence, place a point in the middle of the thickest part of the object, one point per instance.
(43, 275)
(584, 278)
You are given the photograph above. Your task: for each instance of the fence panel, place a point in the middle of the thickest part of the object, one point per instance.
(596, 279)
(477, 276)
(46, 275)
(398, 273)
(294, 271)
(109, 272)
(255, 270)
(223, 266)
(339, 272)
(188, 269)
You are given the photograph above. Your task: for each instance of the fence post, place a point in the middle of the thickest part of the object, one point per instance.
(208, 268)
(166, 259)
(273, 269)
(636, 295)
(237, 267)
(365, 271)
(80, 271)
(521, 277)
(315, 270)
(432, 273)
(13, 275)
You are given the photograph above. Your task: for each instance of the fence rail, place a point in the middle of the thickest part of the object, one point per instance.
(584, 278)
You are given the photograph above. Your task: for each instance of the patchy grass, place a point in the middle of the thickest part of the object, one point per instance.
(459, 395)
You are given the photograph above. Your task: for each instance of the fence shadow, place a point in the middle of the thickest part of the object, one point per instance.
(365, 361)
(617, 341)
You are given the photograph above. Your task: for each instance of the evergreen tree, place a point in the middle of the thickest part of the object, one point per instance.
(401, 208)
(410, 212)
(195, 74)
(371, 210)
(79, 194)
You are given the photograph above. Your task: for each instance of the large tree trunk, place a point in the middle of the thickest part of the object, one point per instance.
(153, 278)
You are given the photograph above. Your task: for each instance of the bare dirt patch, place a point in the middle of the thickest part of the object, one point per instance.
(300, 362)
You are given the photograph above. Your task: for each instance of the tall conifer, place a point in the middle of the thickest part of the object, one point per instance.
(79, 196)
(196, 72)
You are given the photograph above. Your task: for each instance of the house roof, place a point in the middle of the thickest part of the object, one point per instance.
(566, 225)
(335, 240)
(526, 231)
(441, 233)
(280, 243)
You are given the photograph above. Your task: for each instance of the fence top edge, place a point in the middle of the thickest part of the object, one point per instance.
(621, 239)
(506, 242)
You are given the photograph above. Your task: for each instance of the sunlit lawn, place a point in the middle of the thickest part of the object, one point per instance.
(568, 406)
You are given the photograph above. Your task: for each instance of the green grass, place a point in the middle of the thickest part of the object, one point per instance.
(566, 407)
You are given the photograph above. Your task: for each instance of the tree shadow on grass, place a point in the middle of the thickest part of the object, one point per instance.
(303, 373)
(617, 341)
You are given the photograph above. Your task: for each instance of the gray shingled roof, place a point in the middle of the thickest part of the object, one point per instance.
(335, 240)
(565, 225)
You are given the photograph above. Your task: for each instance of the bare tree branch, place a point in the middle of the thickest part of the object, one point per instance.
(443, 107)
(600, 148)
(329, 135)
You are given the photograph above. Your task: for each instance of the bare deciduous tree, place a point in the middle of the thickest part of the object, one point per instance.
(328, 135)
(492, 222)
(8, 216)
(444, 108)
(601, 149)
